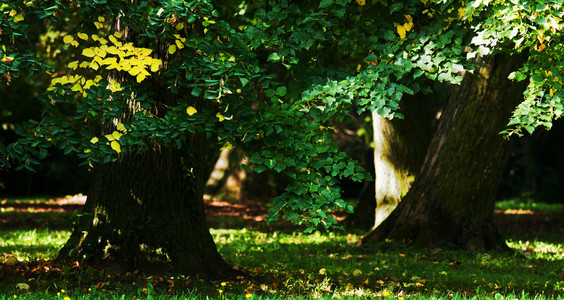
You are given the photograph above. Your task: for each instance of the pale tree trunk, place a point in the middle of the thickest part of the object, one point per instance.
(399, 150)
(229, 181)
(452, 198)
(145, 211)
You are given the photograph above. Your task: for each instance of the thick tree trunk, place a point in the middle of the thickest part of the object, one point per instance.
(145, 212)
(451, 201)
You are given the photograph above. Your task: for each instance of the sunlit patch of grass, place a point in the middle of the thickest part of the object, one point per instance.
(28, 245)
(331, 263)
(515, 204)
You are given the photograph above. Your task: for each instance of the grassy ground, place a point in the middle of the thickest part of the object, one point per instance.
(283, 263)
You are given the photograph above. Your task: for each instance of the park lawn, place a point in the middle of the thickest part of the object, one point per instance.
(284, 263)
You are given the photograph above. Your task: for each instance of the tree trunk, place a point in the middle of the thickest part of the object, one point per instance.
(452, 199)
(145, 212)
(399, 150)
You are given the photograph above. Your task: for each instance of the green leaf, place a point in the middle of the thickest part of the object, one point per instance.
(281, 91)
(196, 91)
(274, 57)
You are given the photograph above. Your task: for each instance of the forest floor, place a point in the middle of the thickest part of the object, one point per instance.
(283, 262)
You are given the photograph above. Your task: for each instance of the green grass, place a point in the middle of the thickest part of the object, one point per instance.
(293, 265)
(529, 205)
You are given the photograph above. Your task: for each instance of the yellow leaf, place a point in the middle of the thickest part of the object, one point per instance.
(113, 66)
(83, 36)
(140, 77)
(101, 52)
(115, 145)
(179, 26)
(115, 87)
(112, 39)
(22, 286)
(18, 18)
(13, 12)
(361, 2)
(109, 137)
(121, 127)
(134, 71)
(102, 41)
(94, 37)
(99, 25)
(73, 65)
(109, 61)
(220, 117)
(191, 110)
(179, 44)
(94, 65)
(227, 146)
(171, 49)
(145, 51)
(401, 31)
(74, 43)
(116, 135)
(117, 34)
(68, 39)
(88, 84)
(112, 50)
(88, 52)
(101, 19)
(155, 65)
(84, 64)
(94, 140)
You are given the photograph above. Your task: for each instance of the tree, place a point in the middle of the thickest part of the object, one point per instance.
(148, 87)
(452, 198)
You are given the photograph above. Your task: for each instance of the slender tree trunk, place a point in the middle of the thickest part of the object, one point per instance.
(399, 150)
(452, 199)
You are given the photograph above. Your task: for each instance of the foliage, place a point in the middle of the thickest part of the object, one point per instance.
(265, 81)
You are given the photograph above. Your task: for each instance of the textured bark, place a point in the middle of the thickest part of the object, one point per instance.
(145, 212)
(451, 201)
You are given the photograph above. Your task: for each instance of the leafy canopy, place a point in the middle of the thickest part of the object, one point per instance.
(268, 78)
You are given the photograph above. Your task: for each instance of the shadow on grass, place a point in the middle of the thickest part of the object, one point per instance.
(282, 261)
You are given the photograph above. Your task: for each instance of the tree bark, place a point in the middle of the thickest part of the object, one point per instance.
(452, 199)
(145, 212)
